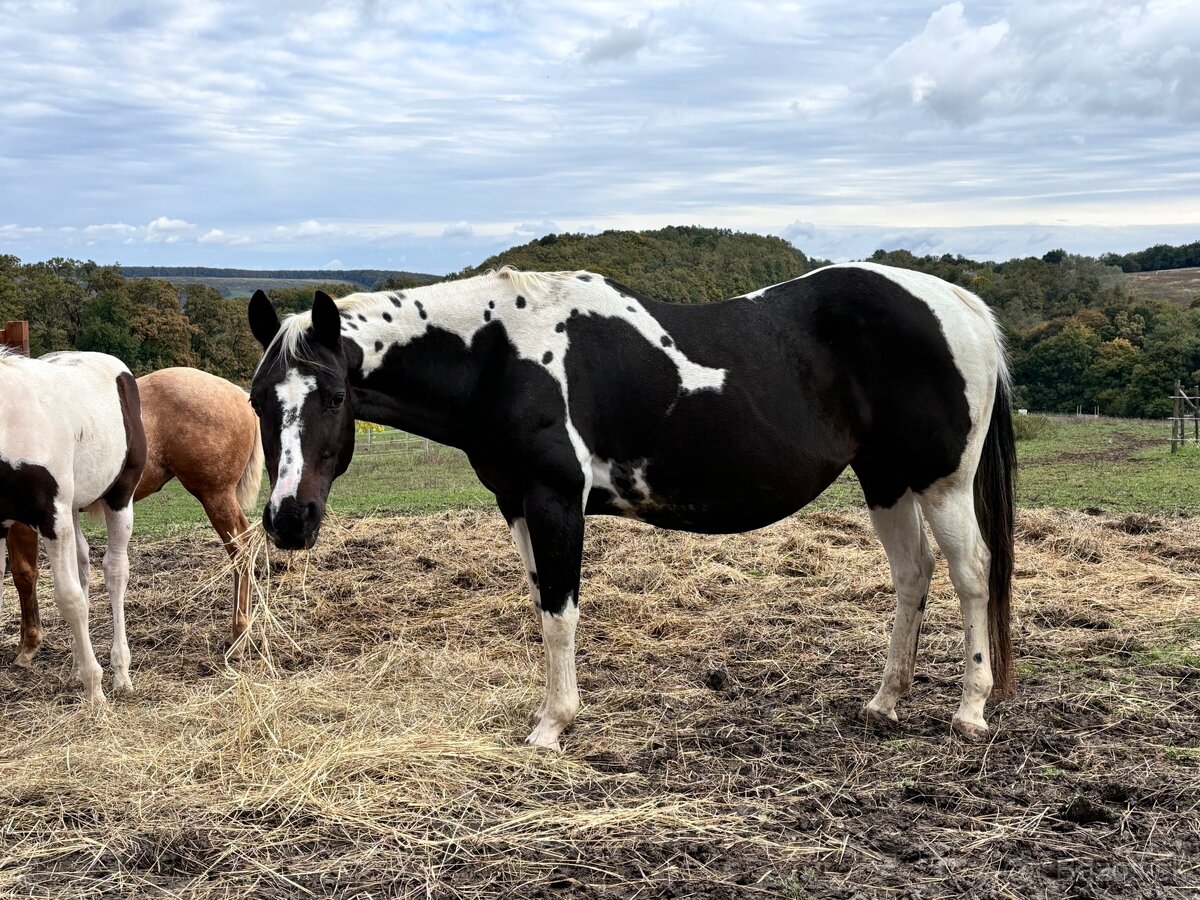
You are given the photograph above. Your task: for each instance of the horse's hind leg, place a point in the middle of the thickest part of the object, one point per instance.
(72, 603)
(226, 516)
(950, 509)
(23, 548)
(902, 534)
(116, 579)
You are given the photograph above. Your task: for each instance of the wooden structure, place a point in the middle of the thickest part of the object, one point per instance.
(16, 336)
(1185, 420)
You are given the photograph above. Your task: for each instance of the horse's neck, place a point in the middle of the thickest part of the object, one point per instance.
(423, 385)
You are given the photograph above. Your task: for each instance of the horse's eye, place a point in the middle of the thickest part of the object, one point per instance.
(336, 401)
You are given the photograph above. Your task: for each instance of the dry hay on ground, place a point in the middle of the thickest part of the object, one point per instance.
(720, 751)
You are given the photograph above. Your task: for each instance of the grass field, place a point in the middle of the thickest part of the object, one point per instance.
(1180, 286)
(1108, 465)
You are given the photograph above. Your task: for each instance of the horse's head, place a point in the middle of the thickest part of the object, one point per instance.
(301, 393)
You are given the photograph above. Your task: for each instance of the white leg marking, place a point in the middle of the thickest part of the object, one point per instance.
(562, 691)
(73, 604)
(83, 560)
(952, 518)
(520, 535)
(292, 392)
(902, 534)
(116, 578)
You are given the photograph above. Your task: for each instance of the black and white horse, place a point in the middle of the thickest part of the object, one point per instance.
(573, 395)
(71, 438)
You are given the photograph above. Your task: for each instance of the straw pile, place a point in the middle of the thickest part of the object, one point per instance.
(372, 747)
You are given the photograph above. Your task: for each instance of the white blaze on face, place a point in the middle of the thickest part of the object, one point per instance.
(292, 392)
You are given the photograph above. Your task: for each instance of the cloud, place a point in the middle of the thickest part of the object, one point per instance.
(856, 118)
(620, 42)
(168, 230)
(536, 229)
(458, 230)
(1138, 61)
(110, 230)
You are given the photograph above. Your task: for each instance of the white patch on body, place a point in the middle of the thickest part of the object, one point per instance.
(561, 704)
(292, 392)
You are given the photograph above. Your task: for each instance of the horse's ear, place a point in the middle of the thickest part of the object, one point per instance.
(264, 324)
(326, 321)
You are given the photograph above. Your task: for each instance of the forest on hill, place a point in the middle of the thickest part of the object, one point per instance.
(1078, 335)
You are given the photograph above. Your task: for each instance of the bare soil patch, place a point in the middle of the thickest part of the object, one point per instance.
(721, 750)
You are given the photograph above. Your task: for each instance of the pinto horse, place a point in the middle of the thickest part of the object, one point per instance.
(71, 438)
(199, 429)
(573, 395)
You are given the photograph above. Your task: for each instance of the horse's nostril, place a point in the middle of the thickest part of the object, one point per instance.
(311, 513)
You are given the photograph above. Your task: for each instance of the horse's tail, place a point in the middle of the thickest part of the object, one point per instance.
(251, 481)
(995, 497)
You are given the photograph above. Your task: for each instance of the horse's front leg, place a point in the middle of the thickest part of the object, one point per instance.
(554, 523)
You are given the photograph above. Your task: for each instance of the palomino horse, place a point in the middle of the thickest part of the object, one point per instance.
(71, 438)
(199, 429)
(573, 395)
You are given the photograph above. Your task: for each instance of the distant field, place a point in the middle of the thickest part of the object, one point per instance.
(1180, 286)
(1111, 465)
(244, 287)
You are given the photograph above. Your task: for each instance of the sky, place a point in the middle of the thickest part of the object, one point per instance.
(427, 136)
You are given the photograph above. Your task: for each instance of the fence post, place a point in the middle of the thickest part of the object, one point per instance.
(16, 336)
(1175, 413)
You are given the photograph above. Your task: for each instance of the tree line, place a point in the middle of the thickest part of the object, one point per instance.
(1077, 336)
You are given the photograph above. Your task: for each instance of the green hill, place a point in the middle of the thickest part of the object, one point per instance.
(681, 263)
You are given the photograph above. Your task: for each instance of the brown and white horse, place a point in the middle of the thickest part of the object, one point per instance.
(71, 439)
(199, 429)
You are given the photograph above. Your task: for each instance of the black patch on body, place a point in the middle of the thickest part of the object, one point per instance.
(487, 315)
(396, 300)
(421, 309)
(520, 302)
(842, 368)
(120, 493)
(547, 357)
(560, 327)
(978, 657)
(378, 346)
(533, 579)
(361, 317)
(584, 277)
(387, 317)
(27, 493)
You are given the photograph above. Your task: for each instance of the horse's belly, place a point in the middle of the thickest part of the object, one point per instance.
(715, 502)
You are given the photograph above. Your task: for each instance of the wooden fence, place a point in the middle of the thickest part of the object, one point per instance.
(16, 336)
(1185, 421)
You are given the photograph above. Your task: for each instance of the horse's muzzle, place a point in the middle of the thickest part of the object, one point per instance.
(294, 526)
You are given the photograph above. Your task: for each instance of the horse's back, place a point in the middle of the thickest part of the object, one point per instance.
(199, 428)
(70, 417)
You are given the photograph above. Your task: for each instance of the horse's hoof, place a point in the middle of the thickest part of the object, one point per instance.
(122, 686)
(974, 732)
(884, 720)
(545, 736)
(23, 661)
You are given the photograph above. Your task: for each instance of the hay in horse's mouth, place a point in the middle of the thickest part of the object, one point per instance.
(720, 750)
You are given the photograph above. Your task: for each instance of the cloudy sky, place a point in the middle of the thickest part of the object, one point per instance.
(427, 135)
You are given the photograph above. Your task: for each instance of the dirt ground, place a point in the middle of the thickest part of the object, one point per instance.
(370, 745)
